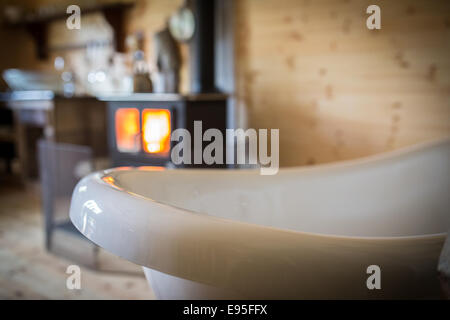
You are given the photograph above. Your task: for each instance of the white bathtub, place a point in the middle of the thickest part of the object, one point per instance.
(303, 233)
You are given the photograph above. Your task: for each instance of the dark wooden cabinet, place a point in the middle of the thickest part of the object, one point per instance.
(75, 120)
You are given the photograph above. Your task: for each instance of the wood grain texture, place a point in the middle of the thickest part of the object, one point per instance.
(337, 90)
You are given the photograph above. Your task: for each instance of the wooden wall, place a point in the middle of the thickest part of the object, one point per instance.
(337, 90)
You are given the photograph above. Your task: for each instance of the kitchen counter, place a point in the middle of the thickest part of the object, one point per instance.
(164, 97)
(27, 95)
(46, 95)
(79, 120)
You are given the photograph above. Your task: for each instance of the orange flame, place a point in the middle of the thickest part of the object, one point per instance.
(127, 129)
(156, 130)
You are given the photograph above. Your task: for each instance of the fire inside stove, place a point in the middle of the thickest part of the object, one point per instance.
(148, 131)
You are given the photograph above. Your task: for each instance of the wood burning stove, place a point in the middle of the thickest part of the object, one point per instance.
(140, 125)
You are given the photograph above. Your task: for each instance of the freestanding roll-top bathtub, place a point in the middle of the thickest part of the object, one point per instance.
(307, 232)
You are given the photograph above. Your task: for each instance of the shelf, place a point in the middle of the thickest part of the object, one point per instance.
(37, 26)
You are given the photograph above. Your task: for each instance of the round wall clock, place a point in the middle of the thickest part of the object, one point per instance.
(182, 24)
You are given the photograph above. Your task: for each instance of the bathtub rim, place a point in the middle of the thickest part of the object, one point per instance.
(324, 235)
(335, 165)
(98, 178)
(341, 165)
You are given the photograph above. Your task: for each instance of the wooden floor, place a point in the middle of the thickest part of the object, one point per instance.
(28, 271)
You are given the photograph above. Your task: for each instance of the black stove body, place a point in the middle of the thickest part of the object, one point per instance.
(166, 112)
